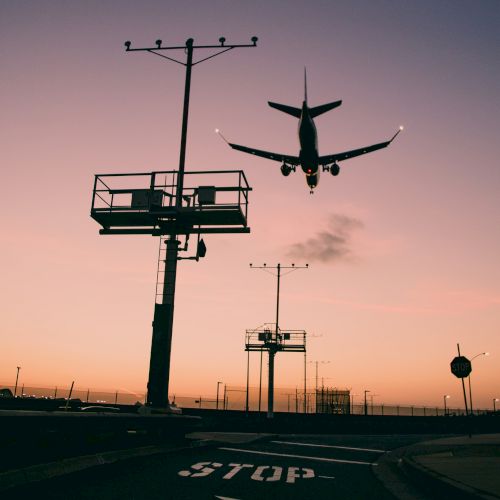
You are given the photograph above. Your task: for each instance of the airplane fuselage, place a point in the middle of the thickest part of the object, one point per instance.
(308, 138)
(308, 159)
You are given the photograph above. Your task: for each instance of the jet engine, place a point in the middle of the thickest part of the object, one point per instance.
(334, 169)
(286, 169)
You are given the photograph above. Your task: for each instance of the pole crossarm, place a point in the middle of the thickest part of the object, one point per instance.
(189, 45)
(269, 269)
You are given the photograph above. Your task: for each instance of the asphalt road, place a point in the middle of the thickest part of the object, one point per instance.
(288, 467)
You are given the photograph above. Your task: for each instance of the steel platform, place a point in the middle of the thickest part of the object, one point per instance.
(144, 203)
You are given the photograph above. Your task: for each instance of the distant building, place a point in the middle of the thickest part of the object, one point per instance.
(333, 401)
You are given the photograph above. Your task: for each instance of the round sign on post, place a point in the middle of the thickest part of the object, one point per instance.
(461, 367)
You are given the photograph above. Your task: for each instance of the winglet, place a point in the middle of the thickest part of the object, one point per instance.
(217, 131)
(401, 128)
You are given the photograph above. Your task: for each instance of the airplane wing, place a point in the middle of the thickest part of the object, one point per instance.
(324, 160)
(291, 160)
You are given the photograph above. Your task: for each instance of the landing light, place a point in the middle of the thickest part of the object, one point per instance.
(401, 127)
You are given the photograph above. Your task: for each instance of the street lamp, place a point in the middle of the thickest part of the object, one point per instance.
(470, 389)
(316, 393)
(366, 406)
(17, 378)
(495, 404)
(445, 397)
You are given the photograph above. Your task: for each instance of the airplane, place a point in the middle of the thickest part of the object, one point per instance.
(309, 159)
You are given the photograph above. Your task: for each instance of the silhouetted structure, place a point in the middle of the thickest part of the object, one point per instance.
(144, 203)
(333, 401)
(273, 341)
(157, 210)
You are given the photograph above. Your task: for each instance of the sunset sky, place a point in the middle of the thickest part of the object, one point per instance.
(403, 246)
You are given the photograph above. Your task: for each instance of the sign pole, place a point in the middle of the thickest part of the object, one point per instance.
(463, 387)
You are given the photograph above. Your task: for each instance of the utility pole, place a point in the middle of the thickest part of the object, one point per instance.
(366, 405)
(248, 381)
(273, 345)
(217, 400)
(316, 387)
(17, 378)
(260, 381)
(159, 368)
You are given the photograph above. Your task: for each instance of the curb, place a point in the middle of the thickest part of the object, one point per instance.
(442, 486)
(35, 473)
(394, 479)
(406, 479)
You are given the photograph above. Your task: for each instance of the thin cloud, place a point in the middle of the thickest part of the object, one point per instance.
(331, 245)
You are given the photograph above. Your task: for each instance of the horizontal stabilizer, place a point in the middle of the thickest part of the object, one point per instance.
(319, 110)
(286, 109)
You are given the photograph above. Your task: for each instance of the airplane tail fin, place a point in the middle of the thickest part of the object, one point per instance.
(319, 110)
(286, 109)
(305, 85)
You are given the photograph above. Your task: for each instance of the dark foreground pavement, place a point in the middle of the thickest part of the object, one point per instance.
(235, 467)
(459, 467)
(244, 466)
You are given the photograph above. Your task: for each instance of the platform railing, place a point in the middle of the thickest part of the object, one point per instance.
(217, 198)
(108, 186)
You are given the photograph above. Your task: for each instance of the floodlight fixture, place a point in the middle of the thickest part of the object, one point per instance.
(202, 249)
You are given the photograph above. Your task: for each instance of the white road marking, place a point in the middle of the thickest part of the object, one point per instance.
(327, 477)
(312, 445)
(288, 455)
(257, 475)
(236, 469)
(226, 498)
(205, 471)
(294, 473)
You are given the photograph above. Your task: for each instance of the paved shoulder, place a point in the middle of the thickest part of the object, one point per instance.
(455, 467)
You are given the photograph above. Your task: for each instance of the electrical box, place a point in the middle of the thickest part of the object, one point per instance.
(265, 336)
(141, 198)
(206, 195)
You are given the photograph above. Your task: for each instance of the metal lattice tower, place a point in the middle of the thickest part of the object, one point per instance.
(170, 208)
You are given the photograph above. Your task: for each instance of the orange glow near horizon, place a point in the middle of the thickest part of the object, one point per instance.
(402, 245)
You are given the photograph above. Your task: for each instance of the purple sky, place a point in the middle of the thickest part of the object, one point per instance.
(413, 266)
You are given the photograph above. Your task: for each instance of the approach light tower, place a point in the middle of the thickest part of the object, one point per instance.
(161, 204)
(275, 341)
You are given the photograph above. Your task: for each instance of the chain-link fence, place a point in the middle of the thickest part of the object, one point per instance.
(120, 396)
(235, 398)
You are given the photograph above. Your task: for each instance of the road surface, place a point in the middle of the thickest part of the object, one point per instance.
(289, 466)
